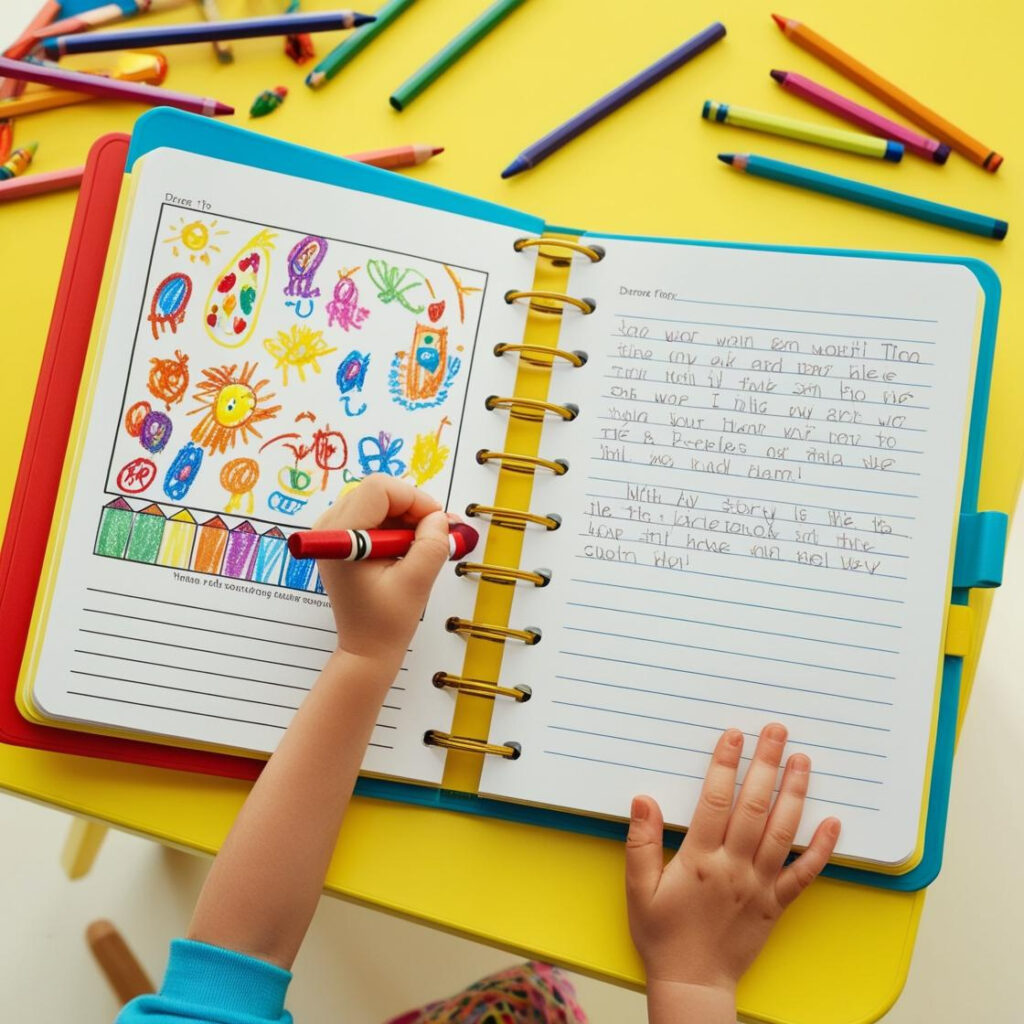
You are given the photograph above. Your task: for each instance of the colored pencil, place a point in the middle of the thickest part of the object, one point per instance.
(448, 55)
(222, 50)
(397, 156)
(6, 139)
(27, 39)
(355, 43)
(18, 161)
(108, 88)
(82, 22)
(203, 32)
(802, 131)
(900, 101)
(864, 117)
(37, 184)
(607, 104)
(359, 545)
(868, 195)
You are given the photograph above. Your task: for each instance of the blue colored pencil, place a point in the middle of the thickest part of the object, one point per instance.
(203, 32)
(867, 195)
(544, 147)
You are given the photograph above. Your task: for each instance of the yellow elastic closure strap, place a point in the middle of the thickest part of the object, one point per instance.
(445, 739)
(532, 409)
(585, 306)
(488, 631)
(519, 463)
(959, 627)
(594, 253)
(541, 355)
(503, 574)
(481, 687)
(514, 518)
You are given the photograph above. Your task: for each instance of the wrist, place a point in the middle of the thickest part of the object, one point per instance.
(365, 671)
(682, 1002)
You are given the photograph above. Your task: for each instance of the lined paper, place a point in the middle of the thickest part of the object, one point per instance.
(757, 526)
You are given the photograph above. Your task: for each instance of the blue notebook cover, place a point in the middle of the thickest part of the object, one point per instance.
(980, 541)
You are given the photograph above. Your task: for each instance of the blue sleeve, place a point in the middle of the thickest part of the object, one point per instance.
(208, 985)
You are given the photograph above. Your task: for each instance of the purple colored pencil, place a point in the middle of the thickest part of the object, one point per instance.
(864, 117)
(110, 88)
(544, 147)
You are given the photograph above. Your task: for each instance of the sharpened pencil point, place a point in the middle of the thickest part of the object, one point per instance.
(315, 79)
(779, 76)
(780, 21)
(517, 166)
(726, 158)
(434, 150)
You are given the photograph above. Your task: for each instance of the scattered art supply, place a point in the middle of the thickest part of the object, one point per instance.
(357, 545)
(298, 46)
(38, 184)
(900, 101)
(150, 68)
(90, 19)
(867, 195)
(863, 117)
(27, 40)
(448, 55)
(607, 104)
(222, 50)
(355, 43)
(6, 138)
(18, 161)
(802, 131)
(97, 85)
(268, 101)
(397, 156)
(203, 32)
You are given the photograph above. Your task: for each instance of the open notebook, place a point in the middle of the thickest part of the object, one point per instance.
(764, 456)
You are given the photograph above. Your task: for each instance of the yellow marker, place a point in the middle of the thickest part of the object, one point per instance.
(803, 131)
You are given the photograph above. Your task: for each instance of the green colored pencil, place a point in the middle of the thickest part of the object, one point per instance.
(446, 57)
(355, 43)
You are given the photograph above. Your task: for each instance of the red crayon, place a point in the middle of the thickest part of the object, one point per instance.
(356, 545)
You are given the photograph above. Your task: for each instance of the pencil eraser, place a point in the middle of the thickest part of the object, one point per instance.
(893, 151)
(992, 162)
(941, 154)
(999, 229)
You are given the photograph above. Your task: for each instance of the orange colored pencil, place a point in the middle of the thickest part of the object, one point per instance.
(37, 184)
(900, 101)
(27, 40)
(6, 139)
(397, 156)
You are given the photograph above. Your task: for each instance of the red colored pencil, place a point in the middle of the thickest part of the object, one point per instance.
(37, 184)
(397, 156)
(6, 139)
(26, 40)
(357, 545)
(111, 88)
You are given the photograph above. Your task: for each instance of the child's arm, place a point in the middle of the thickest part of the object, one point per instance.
(264, 885)
(700, 920)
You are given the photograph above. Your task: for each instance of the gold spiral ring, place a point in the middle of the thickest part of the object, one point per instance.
(435, 738)
(518, 463)
(534, 408)
(486, 631)
(481, 687)
(513, 517)
(541, 355)
(585, 306)
(503, 574)
(594, 253)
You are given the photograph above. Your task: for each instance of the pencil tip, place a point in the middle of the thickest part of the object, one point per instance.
(315, 79)
(726, 158)
(434, 150)
(517, 165)
(779, 76)
(780, 21)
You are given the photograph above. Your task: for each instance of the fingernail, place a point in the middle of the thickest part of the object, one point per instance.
(775, 732)
(736, 739)
(800, 763)
(638, 809)
(454, 517)
(833, 827)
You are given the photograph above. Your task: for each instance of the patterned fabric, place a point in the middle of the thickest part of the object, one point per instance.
(532, 993)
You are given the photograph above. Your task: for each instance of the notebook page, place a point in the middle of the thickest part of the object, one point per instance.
(270, 342)
(757, 526)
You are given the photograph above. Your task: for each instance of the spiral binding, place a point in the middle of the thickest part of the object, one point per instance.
(533, 410)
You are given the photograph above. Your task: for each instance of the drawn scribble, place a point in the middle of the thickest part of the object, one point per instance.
(195, 238)
(135, 417)
(136, 476)
(344, 309)
(300, 347)
(428, 455)
(380, 454)
(435, 311)
(326, 448)
(168, 379)
(350, 377)
(181, 473)
(238, 477)
(303, 262)
(233, 305)
(231, 406)
(304, 308)
(170, 300)
(461, 291)
(155, 432)
(421, 377)
(284, 504)
(393, 284)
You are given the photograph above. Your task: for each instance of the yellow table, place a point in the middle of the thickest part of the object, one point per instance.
(841, 955)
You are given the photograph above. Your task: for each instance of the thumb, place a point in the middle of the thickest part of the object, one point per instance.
(428, 553)
(645, 859)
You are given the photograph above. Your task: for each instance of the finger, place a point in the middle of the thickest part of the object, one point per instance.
(710, 819)
(806, 868)
(645, 859)
(429, 552)
(784, 819)
(746, 825)
(375, 499)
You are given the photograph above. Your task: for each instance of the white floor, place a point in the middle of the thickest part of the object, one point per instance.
(360, 967)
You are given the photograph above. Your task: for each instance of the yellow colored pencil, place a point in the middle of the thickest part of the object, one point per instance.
(803, 131)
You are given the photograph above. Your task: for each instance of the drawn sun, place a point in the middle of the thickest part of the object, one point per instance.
(195, 238)
(231, 405)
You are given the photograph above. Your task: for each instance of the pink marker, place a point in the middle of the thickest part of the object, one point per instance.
(863, 117)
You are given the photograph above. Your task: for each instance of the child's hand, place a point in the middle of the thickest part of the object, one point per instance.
(377, 603)
(699, 921)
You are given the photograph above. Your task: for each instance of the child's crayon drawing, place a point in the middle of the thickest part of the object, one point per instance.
(168, 379)
(300, 347)
(344, 309)
(178, 540)
(231, 407)
(324, 449)
(170, 300)
(422, 377)
(136, 416)
(181, 473)
(461, 292)
(238, 478)
(155, 431)
(394, 284)
(428, 455)
(237, 293)
(136, 476)
(351, 377)
(195, 238)
(379, 454)
(303, 262)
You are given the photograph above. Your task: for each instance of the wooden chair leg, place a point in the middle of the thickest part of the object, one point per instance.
(81, 846)
(118, 963)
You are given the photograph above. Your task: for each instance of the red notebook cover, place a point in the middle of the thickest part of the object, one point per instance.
(28, 528)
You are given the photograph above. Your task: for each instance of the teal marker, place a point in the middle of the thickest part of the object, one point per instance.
(867, 195)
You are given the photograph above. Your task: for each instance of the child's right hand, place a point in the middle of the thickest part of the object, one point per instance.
(700, 921)
(377, 603)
